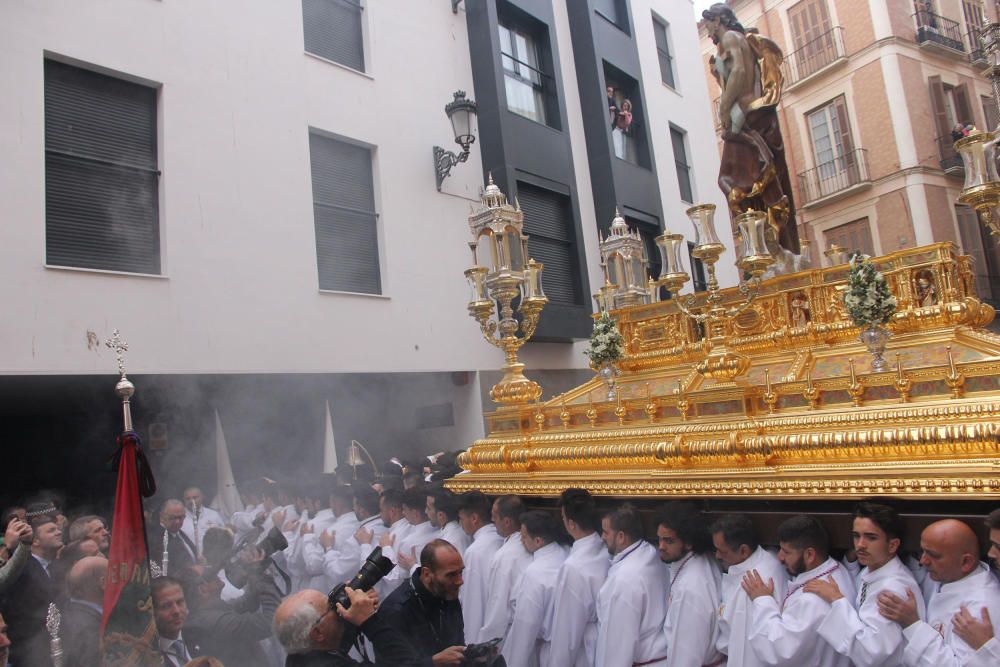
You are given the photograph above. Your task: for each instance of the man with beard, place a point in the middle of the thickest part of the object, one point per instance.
(736, 547)
(426, 610)
(692, 608)
(632, 604)
(862, 634)
(950, 552)
(91, 527)
(783, 632)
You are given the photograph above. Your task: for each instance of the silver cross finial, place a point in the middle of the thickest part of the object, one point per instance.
(119, 346)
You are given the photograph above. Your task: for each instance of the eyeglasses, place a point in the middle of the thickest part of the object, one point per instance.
(322, 616)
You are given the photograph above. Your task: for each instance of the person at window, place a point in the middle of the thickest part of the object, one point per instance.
(957, 132)
(613, 109)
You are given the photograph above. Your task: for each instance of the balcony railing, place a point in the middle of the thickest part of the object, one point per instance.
(976, 54)
(834, 177)
(951, 161)
(814, 55)
(936, 30)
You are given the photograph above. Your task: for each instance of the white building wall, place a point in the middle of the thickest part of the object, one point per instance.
(688, 107)
(238, 94)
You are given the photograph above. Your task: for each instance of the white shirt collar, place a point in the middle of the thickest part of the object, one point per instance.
(626, 552)
(887, 570)
(484, 531)
(815, 572)
(399, 523)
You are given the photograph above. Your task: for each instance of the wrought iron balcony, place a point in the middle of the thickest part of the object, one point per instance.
(951, 161)
(814, 56)
(976, 54)
(836, 178)
(937, 32)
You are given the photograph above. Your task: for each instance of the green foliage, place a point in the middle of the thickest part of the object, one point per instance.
(868, 300)
(606, 342)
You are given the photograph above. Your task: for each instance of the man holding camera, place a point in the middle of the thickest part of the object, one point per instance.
(426, 610)
(312, 633)
(231, 632)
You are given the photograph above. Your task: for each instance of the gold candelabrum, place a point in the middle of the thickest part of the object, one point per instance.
(502, 272)
(721, 363)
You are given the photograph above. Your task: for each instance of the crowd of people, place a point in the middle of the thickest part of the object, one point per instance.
(477, 580)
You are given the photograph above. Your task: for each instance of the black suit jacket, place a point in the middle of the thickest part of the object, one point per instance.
(180, 557)
(24, 608)
(81, 634)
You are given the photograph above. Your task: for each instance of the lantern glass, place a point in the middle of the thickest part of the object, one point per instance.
(753, 228)
(512, 249)
(533, 279)
(616, 271)
(670, 246)
(486, 252)
(461, 123)
(978, 153)
(477, 283)
(638, 277)
(703, 219)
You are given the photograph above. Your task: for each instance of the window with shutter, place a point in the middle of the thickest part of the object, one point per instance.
(347, 253)
(662, 36)
(677, 140)
(548, 221)
(333, 30)
(614, 11)
(990, 112)
(855, 236)
(811, 36)
(101, 177)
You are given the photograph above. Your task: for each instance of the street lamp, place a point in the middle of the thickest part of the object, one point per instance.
(460, 112)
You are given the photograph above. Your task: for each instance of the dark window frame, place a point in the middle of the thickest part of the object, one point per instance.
(619, 21)
(678, 134)
(87, 156)
(327, 277)
(667, 75)
(517, 22)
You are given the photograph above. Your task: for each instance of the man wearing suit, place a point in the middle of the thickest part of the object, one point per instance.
(170, 613)
(81, 618)
(27, 601)
(180, 548)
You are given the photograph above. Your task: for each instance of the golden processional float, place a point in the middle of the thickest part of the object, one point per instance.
(762, 390)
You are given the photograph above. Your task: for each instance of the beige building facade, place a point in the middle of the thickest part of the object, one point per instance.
(873, 91)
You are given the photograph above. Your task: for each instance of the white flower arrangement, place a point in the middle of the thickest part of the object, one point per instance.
(868, 300)
(606, 342)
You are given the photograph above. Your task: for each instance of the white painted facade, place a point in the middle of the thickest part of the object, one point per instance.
(237, 96)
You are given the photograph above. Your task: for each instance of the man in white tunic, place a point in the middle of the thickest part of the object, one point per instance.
(197, 514)
(474, 510)
(405, 552)
(570, 630)
(978, 631)
(539, 535)
(632, 603)
(862, 634)
(323, 544)
(506, 568)
(370, 528)
(783, 632)
(695, 580)
(315, 508)
(950, 554)
(442, 510)
(737, 548)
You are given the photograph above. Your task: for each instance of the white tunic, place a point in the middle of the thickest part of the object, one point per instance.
(323, 575)
(927, 585)
(524, 641)
(988, 654)
(933, 643)
(207, 518)
(506, 568)
(399, 530)
(693, 611)
(736, 610)
(864, 635)
(783, 634)
(455, 535)
(631, 609)
(571, 626)
(485, 543)
(410, 546)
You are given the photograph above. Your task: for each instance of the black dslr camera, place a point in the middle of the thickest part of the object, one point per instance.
(239, 571)
(371, 572)
(485, 653)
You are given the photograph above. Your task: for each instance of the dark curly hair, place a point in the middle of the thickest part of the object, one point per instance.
(687, 521)
(721, 11)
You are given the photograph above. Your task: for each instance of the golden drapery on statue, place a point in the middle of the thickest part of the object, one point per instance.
(753, 173)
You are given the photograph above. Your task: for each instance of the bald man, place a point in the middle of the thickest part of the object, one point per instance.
(312, 633)
(81, 619)
(950, 554)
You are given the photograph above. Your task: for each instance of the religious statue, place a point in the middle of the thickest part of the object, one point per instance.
(800, 310)
(926, 294)
(753, 173)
